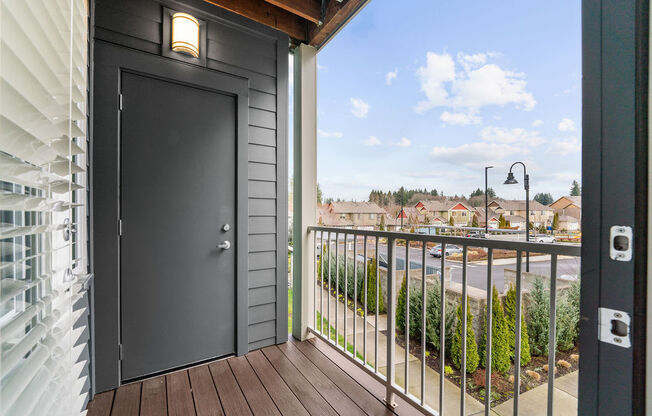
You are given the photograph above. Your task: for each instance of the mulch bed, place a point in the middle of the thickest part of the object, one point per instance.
(502, 389)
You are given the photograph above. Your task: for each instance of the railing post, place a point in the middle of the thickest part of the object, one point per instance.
(305, 187)
(391, 324)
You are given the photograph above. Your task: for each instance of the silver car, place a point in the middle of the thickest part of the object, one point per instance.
(450, 249)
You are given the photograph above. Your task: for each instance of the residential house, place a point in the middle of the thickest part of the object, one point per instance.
(539, 213)
(568, 205)
(330, 219)
(459, 212)
(569, 223)
(364, 215)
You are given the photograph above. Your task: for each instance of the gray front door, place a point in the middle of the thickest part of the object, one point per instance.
(178, 150)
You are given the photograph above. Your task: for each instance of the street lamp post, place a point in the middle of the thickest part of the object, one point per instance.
(486, 202)
(526, 182)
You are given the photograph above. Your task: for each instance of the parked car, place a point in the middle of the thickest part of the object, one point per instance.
(545, 239)
(476, 234)
(450, 249)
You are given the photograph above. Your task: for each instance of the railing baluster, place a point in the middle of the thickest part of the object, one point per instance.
(328, 320)
(489, 317)
(517, 333)
(552, 334)
(391, 324)
(442, 327)
(364, 320)
(464, 306)
(377, 303)
(423, 323)
(355, 294)
(314, 304)
(337, 288)
(407, 314)
(346, 289)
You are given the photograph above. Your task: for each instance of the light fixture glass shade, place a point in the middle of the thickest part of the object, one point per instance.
(185, 34)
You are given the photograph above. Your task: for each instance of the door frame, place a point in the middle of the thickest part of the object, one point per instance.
(110, 62)
(615, 38)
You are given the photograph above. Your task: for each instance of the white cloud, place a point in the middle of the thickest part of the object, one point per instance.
(475, 85)
(474, 154)
(322, 68)
(359, 108)
(459, 119)
(537, 123)
(372, 141)
(516, 136)
(565, 147)
(391, 76)
(404, 142)
(439, 69)
(330, 134)
(566, 124)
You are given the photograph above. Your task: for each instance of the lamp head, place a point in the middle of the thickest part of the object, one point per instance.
(510, 179)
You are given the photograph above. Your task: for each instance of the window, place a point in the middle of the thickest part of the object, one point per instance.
(42, 197)
(372, 216)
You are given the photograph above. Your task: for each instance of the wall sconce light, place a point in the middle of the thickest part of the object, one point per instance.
(185, 34)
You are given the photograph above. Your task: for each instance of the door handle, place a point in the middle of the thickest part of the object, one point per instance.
(224, 245)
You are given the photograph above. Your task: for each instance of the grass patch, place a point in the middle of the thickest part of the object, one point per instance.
(289, 310)
(340, 337)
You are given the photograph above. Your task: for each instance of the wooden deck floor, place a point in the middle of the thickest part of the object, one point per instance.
(295, 378)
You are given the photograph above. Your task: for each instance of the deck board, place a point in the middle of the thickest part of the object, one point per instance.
(255, 394)
(179, 396)
(101, 405)
(153, 398)
(293, 379)
(207, 403)
(233, 401)
(127, 400)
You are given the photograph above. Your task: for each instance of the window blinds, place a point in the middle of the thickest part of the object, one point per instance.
(44, 354)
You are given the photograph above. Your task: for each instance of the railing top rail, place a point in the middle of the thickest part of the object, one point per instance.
(532, 247)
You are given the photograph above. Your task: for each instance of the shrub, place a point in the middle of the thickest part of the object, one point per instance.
(567, 320)
(510, 320)
(371, 289)
(400, 307)
(500, 360)
(539, 314)
(472, 357)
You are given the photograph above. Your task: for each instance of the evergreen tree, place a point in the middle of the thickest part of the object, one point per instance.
(510, 319)
(319, 194)
(451, 221)
(382, 223)
(472, 358)
(371, 290)
(575, 189)
(543, 199)
(502, 223)
(474, 223)
(555, 221)
(400, 307)
(500, 360)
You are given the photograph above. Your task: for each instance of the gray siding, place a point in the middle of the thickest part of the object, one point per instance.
(259, 54)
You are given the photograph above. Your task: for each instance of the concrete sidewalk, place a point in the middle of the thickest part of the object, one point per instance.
(535, 401)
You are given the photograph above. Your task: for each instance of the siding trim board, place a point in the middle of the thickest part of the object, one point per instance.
(251, 53)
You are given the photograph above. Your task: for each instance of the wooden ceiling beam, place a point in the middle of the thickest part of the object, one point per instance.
(308, 9)
(268, 14)
(337, 13)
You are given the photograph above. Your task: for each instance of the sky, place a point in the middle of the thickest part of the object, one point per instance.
(424, 94)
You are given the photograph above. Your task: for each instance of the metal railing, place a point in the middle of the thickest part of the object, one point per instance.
(326, 237)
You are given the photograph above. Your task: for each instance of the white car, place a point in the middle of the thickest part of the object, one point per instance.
(450, 249)
(545, 239)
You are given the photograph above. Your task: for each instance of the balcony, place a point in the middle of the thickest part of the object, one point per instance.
(144, 228)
